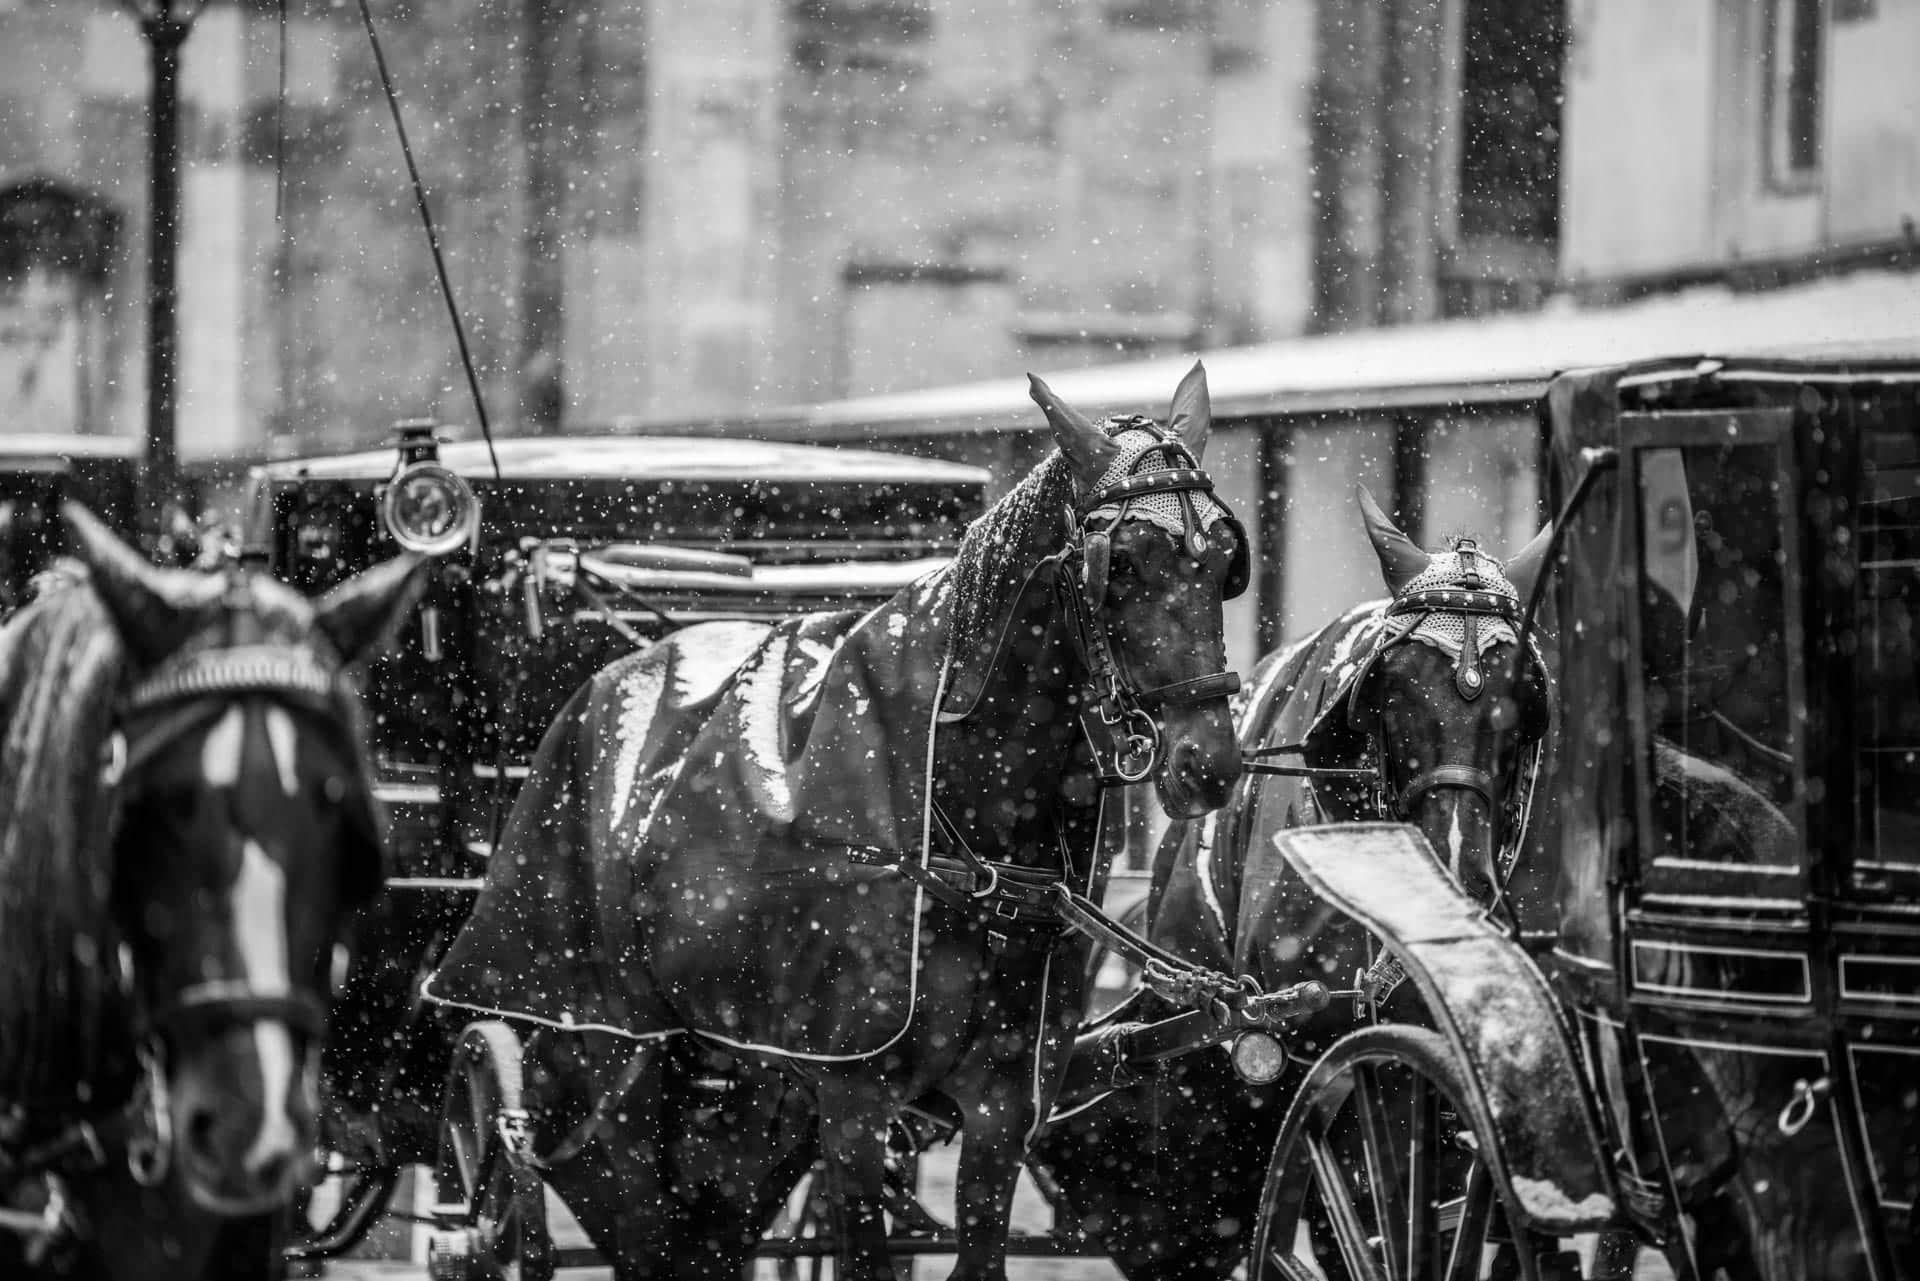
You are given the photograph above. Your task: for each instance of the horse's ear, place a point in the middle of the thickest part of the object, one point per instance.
(1400, 560)
(358, 613)
(1087, 448)
(1191, 415)
(1524, 570)
(150, 606)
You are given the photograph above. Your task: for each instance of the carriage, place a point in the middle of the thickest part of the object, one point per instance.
(1684, 1025)
(1707, 1040)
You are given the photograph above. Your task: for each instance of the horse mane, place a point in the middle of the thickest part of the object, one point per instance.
(60, 663)
(995, 558)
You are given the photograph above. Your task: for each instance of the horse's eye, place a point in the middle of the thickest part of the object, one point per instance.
(1122, 577)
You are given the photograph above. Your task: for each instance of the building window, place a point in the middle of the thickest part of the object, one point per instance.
(1795, 57)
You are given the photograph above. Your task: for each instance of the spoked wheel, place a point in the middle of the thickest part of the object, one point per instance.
(491, 1201)
(1377, 1176)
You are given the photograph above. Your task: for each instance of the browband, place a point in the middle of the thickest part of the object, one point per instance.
(1162, 480)
(1456, 601)
(238, 669)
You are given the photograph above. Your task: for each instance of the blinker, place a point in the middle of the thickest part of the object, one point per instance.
(1096, 559)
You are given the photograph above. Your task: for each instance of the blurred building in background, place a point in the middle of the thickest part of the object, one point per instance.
(695, 208)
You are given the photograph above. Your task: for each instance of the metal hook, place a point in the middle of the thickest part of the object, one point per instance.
(1800, 1109)
(149, 1154)
(114, 768)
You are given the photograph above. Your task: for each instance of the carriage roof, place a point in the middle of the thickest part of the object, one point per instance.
(648, 458)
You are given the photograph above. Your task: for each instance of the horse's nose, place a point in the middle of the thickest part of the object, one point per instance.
(1207, 772)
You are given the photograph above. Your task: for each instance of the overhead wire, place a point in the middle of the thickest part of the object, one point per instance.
(433, 236)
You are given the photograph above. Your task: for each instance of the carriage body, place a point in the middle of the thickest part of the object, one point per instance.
(707, 529)
(1737, 805)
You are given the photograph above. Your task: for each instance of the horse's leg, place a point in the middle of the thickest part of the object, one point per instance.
(617, 1185)
(853, 1143)
(995, 1099)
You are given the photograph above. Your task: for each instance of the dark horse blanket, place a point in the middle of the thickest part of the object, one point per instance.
(680, 857)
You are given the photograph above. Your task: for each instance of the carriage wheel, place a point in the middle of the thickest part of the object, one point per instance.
(1377, 1176)
(485, 1186)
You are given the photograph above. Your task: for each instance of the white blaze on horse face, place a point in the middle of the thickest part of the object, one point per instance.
(258, 901)
(220, 753)
(1454, 839)
(282, 739)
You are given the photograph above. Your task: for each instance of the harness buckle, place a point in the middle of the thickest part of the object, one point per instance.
(149, 1154)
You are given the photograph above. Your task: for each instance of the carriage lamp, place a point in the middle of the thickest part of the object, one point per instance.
(429, 509)
(426, 507)
(1258, 1058)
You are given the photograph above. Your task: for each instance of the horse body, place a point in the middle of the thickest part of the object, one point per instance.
(751, 816)
(184, 825)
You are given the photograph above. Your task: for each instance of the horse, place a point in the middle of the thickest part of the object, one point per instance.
(186, 824)
(824, 851)
(1412, 708)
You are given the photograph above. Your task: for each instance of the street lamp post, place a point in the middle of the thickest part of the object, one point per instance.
(165, 24)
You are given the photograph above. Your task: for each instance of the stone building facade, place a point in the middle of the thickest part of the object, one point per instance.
(690, 209)
(670, 209)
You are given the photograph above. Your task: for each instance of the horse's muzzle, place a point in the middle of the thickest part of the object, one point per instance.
(1201, 769)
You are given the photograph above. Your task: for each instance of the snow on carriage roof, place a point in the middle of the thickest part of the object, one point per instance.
(648, 458)
(1500, 358)
(54, 445)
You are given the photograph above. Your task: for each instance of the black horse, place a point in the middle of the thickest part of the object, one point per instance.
(1415, 710)
(755, 835)
(185, 825)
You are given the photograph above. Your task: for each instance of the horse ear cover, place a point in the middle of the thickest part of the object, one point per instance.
(1400, 560)
(152, 608)
(1088, 448)
(357, 613)
(1190, 416)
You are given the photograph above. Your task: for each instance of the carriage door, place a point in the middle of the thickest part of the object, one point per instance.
(1719, 956)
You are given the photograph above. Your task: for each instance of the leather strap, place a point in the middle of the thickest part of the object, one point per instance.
(1467, 776)
(1198, 690)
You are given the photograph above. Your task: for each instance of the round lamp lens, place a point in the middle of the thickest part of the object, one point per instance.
(1258, 1058)
(427, 507)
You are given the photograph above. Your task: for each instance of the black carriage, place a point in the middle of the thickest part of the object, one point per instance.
(1707, 1045)
(37, 474)
(574, 551)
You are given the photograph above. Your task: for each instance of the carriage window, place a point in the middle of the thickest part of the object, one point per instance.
(1889, 661)
(1714, 624)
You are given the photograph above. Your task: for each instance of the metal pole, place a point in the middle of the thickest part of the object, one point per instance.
(165, 34)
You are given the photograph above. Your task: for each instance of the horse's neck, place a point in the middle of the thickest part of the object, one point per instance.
(74, 1056)
(1003, 769)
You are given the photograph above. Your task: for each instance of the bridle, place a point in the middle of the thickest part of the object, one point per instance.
(1124, 710)
(1470, 599)
(182, 696)
(1471, 604)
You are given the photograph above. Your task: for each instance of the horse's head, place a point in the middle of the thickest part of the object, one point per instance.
(1453, 716)
(1153, 555)
(244, 834)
